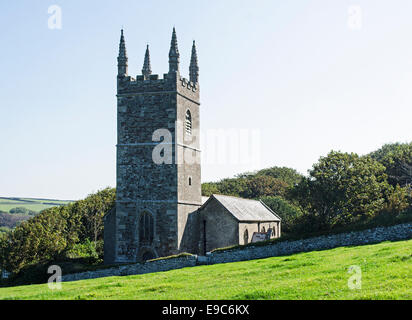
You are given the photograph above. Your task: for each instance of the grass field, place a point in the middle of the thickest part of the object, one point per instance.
(31, 204)
(386, 274)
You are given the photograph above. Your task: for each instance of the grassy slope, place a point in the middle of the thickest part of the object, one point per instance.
(386, 274)
(32, 204)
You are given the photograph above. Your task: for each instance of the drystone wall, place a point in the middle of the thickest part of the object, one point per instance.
(370, 236)
(137, 268)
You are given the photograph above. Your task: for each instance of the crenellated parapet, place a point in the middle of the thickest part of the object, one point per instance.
(141, 84)
(153, 83)
(148, 82)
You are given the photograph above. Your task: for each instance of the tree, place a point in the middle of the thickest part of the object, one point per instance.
(11, 220)
(341, 188)
(93, 209)
(267, 182)
(55, 231)
(397, 159)
(22, 210)
(41, 238)
(261, 186)
(287, 211)
(398, 199)
(288, 175)
(209, 188)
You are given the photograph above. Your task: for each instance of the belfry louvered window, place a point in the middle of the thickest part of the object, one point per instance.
(188, 122)
(146, 228)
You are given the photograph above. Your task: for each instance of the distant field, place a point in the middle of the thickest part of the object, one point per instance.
(32, 204)
(386, 273)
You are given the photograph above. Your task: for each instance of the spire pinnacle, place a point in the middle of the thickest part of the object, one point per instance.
(194, 67)
(174, 55)
(147, 69)
(122, 61)
(122, 46)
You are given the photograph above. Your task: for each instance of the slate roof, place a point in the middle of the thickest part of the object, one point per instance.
(245, 209)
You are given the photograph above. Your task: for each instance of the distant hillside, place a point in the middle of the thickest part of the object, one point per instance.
(15, 210)
(35, 205)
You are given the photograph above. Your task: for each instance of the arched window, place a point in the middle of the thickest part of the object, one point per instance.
(146, 228)
(246, 237)
(188, 123)
(190, 181)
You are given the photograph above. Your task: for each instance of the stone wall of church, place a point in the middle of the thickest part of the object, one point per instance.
(188, 226)
(218, 227)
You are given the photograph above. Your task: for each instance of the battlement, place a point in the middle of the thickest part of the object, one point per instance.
(153, 83)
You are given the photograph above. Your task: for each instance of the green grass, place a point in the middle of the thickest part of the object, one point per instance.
(32, 204)
(386, 274)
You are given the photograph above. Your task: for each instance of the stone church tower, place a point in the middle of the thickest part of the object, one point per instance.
(158, 162)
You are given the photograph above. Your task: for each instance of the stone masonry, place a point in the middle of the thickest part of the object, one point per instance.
(156, 204)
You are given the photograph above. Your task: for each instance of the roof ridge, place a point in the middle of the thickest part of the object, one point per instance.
(224, 195)
(242, 210)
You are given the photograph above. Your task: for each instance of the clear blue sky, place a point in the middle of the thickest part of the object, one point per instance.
(294, 70)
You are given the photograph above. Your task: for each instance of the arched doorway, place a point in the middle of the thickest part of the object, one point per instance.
(148, 255)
